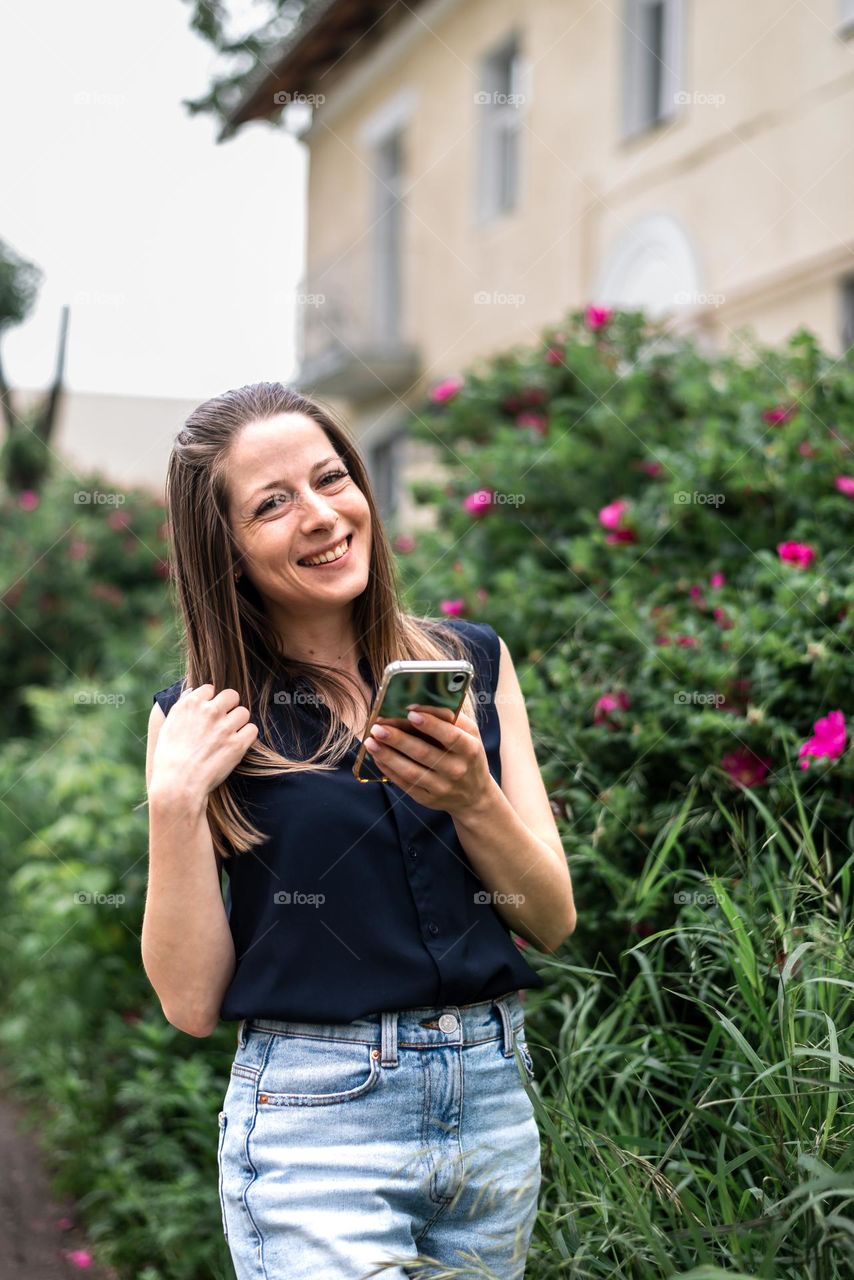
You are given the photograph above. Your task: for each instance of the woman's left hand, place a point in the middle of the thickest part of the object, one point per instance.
(453, 776)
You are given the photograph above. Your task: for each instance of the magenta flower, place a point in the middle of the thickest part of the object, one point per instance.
(720, 616)
(597, 317)
(687, 642)
(652, 468)
(799, 553)
(478, 503)
(119, 519)
(404, 543)
(827, 740)
(806, 450)
(611, 516)
(626, 534)
(28, 499)
(746, 767)
(608, 704)
(696, 593)
(538, 422)
(452, 608)
(779, 414)
(554, 355)
(78, 1257)
(717, 580)
(78, 549)
(445, 390)
(845, 484)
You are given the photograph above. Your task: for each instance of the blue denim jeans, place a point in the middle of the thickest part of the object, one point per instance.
(398, 1145)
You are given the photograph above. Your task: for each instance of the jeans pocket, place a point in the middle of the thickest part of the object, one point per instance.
(222, 1120)
(305, 1072)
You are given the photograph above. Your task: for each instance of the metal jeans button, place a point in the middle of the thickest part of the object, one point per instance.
(448, 1022)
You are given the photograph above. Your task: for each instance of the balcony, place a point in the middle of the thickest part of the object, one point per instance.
(349, 339)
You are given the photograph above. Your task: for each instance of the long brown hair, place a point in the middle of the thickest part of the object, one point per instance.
(227, 639)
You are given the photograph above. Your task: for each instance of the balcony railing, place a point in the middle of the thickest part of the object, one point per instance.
(349, 338)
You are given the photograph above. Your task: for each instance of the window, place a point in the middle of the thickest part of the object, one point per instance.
(388, 167)
(499, 101)
(384, 464)
(846, 327)
(652, 58)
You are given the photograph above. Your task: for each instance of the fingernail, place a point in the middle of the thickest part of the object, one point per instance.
(415, 717)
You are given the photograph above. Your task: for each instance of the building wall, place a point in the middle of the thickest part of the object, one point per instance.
(126, 439)
(751, 177)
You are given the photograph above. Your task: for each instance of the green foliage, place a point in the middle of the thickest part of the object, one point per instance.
(83, 573)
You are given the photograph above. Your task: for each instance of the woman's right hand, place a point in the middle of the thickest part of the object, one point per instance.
(204, 737)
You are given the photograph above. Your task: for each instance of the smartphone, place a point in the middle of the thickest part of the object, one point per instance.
(429, 683)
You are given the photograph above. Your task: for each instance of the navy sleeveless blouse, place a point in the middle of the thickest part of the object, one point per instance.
(361, 899)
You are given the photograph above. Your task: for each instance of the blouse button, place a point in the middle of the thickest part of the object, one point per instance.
(412, 851)
(433, 927)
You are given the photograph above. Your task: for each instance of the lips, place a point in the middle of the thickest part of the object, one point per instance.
(349, 540)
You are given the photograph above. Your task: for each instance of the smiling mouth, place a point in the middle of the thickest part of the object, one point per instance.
(326, 564)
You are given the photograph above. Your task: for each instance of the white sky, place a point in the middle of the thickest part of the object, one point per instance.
(178, 256)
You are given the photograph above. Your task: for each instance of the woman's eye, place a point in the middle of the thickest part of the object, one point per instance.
(330, 475)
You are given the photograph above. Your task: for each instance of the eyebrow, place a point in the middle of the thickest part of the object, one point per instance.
(283, 484)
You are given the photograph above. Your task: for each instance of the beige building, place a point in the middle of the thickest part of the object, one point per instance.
(478, 167)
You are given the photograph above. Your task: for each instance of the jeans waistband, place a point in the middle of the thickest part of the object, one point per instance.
(500, 1017)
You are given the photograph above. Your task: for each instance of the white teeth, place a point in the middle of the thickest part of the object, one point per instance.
(335, 554)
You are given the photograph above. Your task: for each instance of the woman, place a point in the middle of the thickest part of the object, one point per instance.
(376, 1111)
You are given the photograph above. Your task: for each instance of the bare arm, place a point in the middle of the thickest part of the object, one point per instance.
(187, 948)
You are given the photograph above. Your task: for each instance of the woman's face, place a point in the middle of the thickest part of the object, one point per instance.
(290, 496)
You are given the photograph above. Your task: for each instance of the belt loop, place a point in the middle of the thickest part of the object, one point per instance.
(241, 1032)
(389, 1038)
(506, 1024)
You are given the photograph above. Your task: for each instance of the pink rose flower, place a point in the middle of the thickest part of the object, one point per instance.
(607, 704)
(717, 580)
(28, 499)
(799, 553)
(404, 543)
(538, 422)
(845, 484)
(746, 767)
(445, 390)
(554, 355)
(779, 414)
(652, 468)
(81, 1258)
(725, 623)
(687, 642)
(478, 503)
(827, 740)
(597, 318)
(452, 608)
(610, 516)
